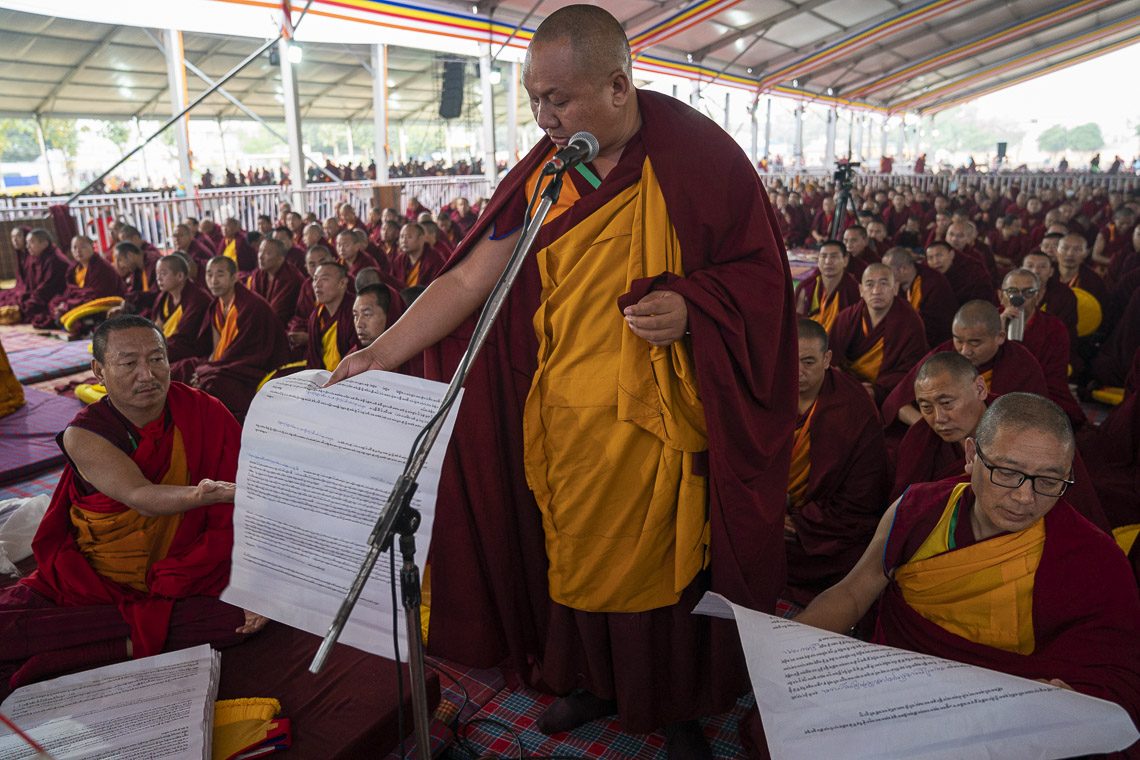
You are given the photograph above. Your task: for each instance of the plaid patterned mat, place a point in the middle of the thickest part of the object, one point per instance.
(42, 483)
(45, 362)
(21, 337)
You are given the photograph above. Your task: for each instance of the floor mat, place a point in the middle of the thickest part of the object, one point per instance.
(41, 483)
(33, 365)
(27, 436)
(20, 337)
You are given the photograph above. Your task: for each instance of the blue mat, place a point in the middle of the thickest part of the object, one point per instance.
(34, 365)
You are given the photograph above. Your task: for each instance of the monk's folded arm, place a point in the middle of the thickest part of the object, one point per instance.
(115, 475)
(448, 300)
(840, 607)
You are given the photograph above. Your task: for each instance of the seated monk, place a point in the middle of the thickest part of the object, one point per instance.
(881, 338)
(276, 280)
(370, 312)
(1074, 270)
(135, 546)
(417, 263)
(196, 247)
(11, 391)
(331, 228)
(236, 247)
(1001, 571)
(351, 254)
(298, 329)
(10, 297)
(88, 279)
(243, 337)
(967, 277)
(952, 398)
(40, 277)
(927, 291)
(139, 278)
(332, 330)
(1110, 366)
(180, 309)
(294, 254)
(1056, 297)
(860, 253)
(829, 289)
(383, 264)
(838, 479)
(978, 335)
(1045, 336)
(213, 233)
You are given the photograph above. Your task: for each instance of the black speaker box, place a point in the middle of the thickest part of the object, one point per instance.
(451, 93)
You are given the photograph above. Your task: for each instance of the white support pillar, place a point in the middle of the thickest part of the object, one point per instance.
(916, 145)
(176, 79)
(754, 123)
(859, 135)
(883, 150)
(727, 106)
(829, 147)
(489, 168)
(901, 140)
(44, 152)
(380, 111)
(798, 150)
(694, 93)
(351, 147)
(768, 131)
(513, 114)
(142, 153)
(292, 127)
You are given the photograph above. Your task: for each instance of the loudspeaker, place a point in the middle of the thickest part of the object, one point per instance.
(1001, 151)
(451, 93)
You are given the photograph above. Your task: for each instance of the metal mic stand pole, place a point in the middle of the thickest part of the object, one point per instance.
(398, 515)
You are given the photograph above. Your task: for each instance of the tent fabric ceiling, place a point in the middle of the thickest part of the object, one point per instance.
(888, 55)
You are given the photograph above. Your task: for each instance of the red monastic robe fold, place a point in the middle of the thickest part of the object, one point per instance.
(181, 323)
(197, 562)
(969, 280)
(931, 295)
(39, 280)
(489, 587)
(280, 290)
(421, 273)
(1085, 606)
(846, 488)
(813, 301)
(880, 355)
(1047, 339)
(100, 280)
(331, 336)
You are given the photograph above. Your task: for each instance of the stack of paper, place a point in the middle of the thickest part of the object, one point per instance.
(155, 707)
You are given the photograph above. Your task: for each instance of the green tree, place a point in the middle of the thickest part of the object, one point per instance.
(18, 140)
(963, 130)
(1086, 137)
(118, 132)
(1055, 139)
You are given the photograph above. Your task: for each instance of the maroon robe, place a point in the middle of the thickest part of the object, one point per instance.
(200, 251)
(217, 237)
(184, 342)
(259, 348)
(1047, 339)
(101, 281)
(44, 278)
(1013, 368)
(207, 243)
(141, 286)
(246, 255)
(11, 296)
(799, 225)
(969, 280)
(805, 293)
(320, 321)
(1086, 611)
(1058, 300)
(1088, 280)
(280, 290)
(1110, 367)
(430, 265)
(490, 601)
(846, 488)
(296, 257)
(900, 330)
(66, 605)
(362, 261)
(937, 305)
(306, 303)
(894, 219)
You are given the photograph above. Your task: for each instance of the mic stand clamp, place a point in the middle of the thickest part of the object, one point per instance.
(398, 515)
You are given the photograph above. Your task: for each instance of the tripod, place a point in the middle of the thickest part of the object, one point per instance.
(843, 177)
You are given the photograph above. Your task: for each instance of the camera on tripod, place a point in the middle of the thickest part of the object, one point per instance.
(845, 171)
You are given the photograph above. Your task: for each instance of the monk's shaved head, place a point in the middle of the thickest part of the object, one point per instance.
(898, 257)
(878, 270)
(1019, 412)
(979, 314)
(597, 39)
(809, 329)
(947, 363)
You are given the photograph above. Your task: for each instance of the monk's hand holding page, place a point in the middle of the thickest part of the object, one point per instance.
(660, 318)
(353, 364)
(215, 492)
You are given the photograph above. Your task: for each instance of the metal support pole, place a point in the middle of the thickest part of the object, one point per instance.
(727, 105)
(829, 147)
(145, 165)
(768, 131)
(694, 93)
(884, 136)
(754, 124)
(859, 135)
(798, 149)
(489, 167)
(513, 114)
(901, 139)
(917, 145)
(176, 79)
(380, 110)
(292, 127)
(43, 151)
(350, 146)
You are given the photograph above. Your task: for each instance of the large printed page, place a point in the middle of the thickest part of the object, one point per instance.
(154, 707)
(316, 468)
(821, 694)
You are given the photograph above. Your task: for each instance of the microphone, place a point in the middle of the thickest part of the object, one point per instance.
(582, 148)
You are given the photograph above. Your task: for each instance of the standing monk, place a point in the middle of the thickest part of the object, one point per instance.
(691, 385)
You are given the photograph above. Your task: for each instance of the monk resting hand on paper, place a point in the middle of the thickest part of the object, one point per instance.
(135, 546)
(1001, 572)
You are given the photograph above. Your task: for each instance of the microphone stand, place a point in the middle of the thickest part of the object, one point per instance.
(398, 515)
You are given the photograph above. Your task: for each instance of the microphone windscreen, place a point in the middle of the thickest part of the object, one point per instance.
(591, 141)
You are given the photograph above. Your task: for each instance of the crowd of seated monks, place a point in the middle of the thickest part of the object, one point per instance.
(929, 443)
(237, 307)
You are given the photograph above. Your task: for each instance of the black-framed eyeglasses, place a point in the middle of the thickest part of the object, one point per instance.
(1007, 478)
(1023, 292)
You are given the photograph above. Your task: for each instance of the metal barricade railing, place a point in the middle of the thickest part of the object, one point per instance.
(1002, 181)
